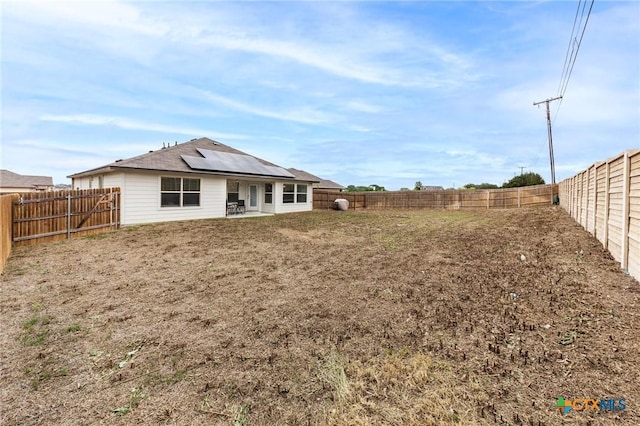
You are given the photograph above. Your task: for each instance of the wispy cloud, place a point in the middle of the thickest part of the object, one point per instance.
(125, 123)
(356, 50)
(303, 115)
(361, 106)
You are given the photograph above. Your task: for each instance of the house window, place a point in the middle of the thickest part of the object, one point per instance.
(101, 182)
(294, 193)
(190, 192)
(268, 193)
(288, 193)
(233, 191)
(301, 196)
(179, 192)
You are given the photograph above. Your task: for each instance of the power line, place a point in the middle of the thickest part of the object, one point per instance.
(567, 70)
(567, 55)
(576, 43)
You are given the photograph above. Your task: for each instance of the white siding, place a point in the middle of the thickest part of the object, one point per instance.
(141, 200)
(80, 183)
(141, 197)
(280, 207)
(110, 180)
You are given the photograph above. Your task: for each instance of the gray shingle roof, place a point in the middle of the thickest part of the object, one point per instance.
(302, 175)
(321, 183)
(170, 159)
(9, 179)
(329, 184)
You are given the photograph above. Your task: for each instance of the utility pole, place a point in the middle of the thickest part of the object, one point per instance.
(553, 166)
(521, 169)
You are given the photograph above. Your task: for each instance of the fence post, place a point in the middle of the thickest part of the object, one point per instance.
(624, 262)
(586, 214)
(69, 216)
(595, 199)
(518, 197)
(570, 195)
(576, 195)
(488, 197)
(112, 201)
(607, 187)
(581, 208)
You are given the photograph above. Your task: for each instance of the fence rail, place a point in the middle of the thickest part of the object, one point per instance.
(605, 200)
(449, 199)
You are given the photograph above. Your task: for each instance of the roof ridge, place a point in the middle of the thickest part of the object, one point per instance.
(179, 157)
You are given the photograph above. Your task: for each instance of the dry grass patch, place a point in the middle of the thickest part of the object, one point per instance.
(399, 388)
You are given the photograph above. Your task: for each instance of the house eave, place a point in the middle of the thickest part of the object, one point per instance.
(110, 169)
(92, 172)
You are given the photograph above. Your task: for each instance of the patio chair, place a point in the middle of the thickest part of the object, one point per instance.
(232, 208)
(240, 207)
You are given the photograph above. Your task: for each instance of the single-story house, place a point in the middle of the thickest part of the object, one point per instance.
(329, 185)
(320, 183)
(196, 180)
(11, 182)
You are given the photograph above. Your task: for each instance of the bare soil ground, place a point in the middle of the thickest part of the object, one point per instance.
(394, 317)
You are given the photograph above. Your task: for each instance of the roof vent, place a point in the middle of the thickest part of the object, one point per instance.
(117, 161)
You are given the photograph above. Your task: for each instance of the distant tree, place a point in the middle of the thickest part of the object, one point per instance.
(526, 179)
(354, 188)
(417, 186)
(483, 185)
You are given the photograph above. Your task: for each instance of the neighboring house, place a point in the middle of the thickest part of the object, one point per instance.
(196, 180)
(329, 185)
(431, 188)
(319, 183)
(13, 182)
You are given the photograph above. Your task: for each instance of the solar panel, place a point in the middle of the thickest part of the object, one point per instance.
(216, 161)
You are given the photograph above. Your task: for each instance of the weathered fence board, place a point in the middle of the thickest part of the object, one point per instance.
(447, 199)
(602, 202)
(47, 216)
(605, 199)
(5, 228)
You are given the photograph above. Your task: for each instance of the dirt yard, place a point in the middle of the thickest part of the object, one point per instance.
(394, 318)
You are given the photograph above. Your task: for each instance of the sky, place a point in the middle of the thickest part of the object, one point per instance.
(359, 92)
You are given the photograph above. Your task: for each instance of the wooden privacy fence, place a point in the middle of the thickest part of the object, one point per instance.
(47, 216)
(605, 200)
(5, 229)
(443, 199)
